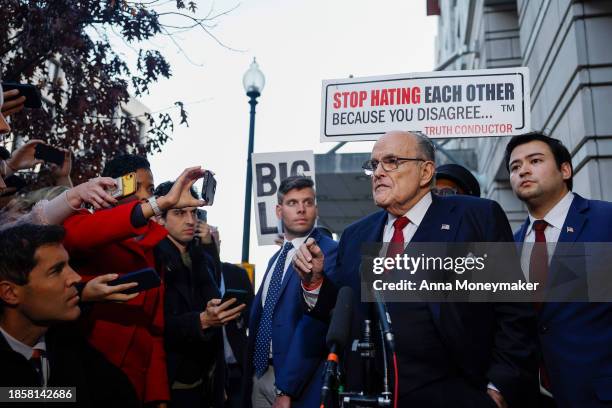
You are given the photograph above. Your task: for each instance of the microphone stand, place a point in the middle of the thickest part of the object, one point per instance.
(367, 353)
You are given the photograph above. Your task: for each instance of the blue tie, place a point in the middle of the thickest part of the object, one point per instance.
(264, 333)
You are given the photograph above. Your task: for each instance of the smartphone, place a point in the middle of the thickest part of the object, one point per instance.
(49, 154)
(242, 296)
(202, 215)
(209, 187)
(29, 91)
(126, 185)
(146, 278)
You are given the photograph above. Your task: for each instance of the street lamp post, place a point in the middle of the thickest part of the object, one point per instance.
(253, 82)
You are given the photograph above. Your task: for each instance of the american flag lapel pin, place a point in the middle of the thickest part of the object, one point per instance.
(570, 229)
(445, 227)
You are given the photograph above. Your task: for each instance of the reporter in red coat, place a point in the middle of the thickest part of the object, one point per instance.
(121, 240)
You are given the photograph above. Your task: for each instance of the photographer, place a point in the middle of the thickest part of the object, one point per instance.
(193, 311)
(235, 332)
(120, 240)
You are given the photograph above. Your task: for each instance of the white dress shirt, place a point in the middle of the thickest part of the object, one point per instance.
(555, 219)
(415, 215)
(27, 351)
(297, 242)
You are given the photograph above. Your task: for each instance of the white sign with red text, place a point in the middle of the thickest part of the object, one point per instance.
(470, 103)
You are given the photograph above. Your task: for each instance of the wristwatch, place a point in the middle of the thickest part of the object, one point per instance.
(281, 393)
(153, 202)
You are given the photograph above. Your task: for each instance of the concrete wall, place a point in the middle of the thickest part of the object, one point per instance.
(566, 46)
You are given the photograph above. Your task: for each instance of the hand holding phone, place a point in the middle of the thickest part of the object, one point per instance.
(179, 195)
(98, 290)
(12, 102)
(146, 278)
(218, 313)
(242, 296)
(32, 96)
(25, 156)
(49, 154)
(125, 186)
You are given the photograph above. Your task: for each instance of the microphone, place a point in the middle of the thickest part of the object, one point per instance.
(387, 333)
(337, 337)
(385, 321)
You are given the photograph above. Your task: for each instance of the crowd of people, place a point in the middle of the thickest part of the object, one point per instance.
(69, 318)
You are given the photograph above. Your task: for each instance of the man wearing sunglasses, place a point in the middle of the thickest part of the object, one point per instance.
(448, 354)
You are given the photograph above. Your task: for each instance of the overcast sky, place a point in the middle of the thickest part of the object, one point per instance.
(297, 43)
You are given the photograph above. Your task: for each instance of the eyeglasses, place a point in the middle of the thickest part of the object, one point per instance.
(444, 191)
(388, 164)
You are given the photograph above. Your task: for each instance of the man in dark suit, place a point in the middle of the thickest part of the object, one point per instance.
(229, 276)
(236, 340)
(283, 374)
(449, 354)
(37, 293)
(575, 337)
(193, 312)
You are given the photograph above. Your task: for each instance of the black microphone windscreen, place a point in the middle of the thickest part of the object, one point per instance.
(340, 325)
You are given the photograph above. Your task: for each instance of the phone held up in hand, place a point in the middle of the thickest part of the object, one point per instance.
(49, 154)
(242, 296)
(209, 187)
(30, 92)
(146, 278)
(126, 185)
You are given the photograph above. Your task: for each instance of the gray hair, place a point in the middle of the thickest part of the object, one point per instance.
(425, 145)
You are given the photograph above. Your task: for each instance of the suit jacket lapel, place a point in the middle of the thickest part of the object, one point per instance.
(523, 231)
(290, 274)
(256, 307)
(438, 225)
(575, 220)
(375, 234)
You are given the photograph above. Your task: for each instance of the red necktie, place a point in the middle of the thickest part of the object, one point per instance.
(396, 247)
(538, 272)
(36, 363)
(538, 262)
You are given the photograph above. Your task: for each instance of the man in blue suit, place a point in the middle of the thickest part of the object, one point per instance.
(449, 354)
(575, 337)
(286, 346)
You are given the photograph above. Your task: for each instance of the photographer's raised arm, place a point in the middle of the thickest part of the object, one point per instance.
(179, 196)
(85, 231)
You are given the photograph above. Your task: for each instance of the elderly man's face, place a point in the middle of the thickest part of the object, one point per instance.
(398, 190)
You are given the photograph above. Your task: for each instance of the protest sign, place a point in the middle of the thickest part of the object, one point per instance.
(269, 169)
(472, 103)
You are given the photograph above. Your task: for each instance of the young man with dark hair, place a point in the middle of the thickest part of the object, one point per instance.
(282, 374)
(37, 291)
(121, 240)
(193, 311)
(575, 338)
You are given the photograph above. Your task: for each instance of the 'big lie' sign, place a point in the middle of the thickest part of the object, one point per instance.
(491, 102)
(269, 169)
